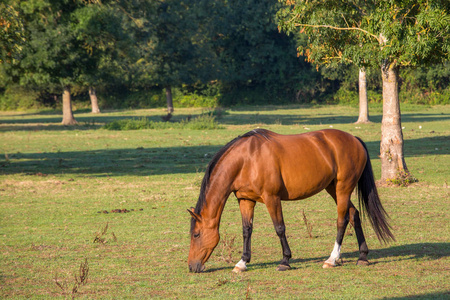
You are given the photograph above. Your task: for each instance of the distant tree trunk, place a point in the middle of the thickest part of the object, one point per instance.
(363, 102)
(94, 100)
(391, 148)
(169, 99)
(68, 118)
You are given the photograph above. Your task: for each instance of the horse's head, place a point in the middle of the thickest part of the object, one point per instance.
(204, 238)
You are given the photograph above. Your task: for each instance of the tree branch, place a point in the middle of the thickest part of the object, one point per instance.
(339, 28)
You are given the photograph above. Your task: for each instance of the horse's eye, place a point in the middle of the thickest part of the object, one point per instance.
(196, 235)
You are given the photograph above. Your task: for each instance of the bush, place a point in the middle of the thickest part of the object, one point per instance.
(121, 97)
(416, 96)
(16, 98)
(347, 97)
(153, 98)
(194, 100)
(442, 98)
(202, 122)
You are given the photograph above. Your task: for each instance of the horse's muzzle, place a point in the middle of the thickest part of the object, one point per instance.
(196, 267)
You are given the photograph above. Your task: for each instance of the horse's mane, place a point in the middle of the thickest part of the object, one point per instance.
(209, 169)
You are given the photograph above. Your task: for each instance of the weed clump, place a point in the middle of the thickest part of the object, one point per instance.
(80, 279)
(227, 248)
(403, 179)
(307, 224)
(101, 238)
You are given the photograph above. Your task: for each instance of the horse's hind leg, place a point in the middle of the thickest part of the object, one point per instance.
(346, 213)
(343, 202)
(356, 223)
(247, 208)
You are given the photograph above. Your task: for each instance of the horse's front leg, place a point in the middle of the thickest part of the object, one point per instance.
(247, 208)
(274, 207)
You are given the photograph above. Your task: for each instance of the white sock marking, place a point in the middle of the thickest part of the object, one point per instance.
(241, 265)
(335, 255)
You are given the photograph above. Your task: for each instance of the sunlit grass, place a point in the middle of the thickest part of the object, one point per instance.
(56, 182)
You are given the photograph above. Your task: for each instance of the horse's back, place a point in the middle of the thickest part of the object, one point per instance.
(298, 166)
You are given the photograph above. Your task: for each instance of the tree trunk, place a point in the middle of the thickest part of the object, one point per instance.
(393, 164)
(94, 100)
(363, 102)
(68, 118)
(169, 99)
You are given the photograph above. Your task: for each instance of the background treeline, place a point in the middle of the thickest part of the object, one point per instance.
(139, 54)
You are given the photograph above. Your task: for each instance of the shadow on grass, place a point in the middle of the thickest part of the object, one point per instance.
(50, 120)
(437, 295)
(117, 162)
(156, 161)
(87, 122)
(430, 251)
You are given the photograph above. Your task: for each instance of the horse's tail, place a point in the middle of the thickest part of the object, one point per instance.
(368, 196)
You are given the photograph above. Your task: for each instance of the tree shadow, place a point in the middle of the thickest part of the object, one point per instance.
(85, 122)
(159, 160)
(319, 119)
(431, 251)
(436, 145)
(434, 296)
(49, 120)
(111, 162)
(421, 117)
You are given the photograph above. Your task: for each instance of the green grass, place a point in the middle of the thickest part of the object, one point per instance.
(54, 181)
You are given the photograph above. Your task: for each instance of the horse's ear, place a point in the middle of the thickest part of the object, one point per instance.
(197, 217)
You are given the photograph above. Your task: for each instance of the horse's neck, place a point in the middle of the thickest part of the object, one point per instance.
(217, 194)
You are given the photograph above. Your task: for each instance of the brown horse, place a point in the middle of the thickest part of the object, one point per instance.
(263, 166)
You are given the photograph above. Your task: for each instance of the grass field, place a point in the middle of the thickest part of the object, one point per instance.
(61, 187)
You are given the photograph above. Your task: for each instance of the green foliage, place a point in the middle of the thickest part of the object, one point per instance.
(105, 36)
(215, 53)
(18, 98)
(155, 97)
(257, 62)
(351, 97)
(11, 34)
(426, 85)
(171, 44)
(441, 97)
(403, 179)
(195, 100)
(202, 122)
(371, 33)
(422, 85)
(120, 97)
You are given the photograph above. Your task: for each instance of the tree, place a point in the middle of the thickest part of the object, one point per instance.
(69, 43)
(389, 34)
(49, 57)
(94, 100)
(171, 45)
(104, 30)
(255, 56)
(363, 116)
(68, 118)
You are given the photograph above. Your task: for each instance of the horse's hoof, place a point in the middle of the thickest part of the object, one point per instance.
(238, 270)
(328, 265)
(283, 267)
(362, 263)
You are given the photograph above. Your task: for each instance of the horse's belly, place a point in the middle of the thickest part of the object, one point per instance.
(304, 180)
(304, 189)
